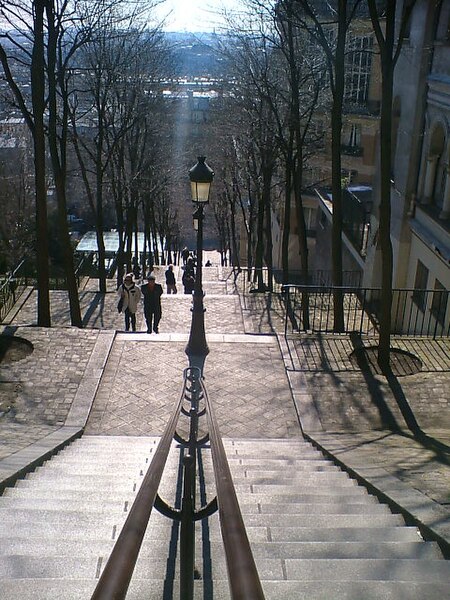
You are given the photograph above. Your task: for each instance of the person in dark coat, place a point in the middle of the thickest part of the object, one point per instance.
(151, 293)
(171, 283)
(185, 254)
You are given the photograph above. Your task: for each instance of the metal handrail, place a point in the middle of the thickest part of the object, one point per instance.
(118, 571)
(243, 575)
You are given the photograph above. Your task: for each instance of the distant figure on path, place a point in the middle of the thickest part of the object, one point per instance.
(136, 269)
(188, 281)
(185, 254)
(171, 283)
(130, 295)
(152, 292)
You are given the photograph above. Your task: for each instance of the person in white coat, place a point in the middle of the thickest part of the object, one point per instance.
(129, 297)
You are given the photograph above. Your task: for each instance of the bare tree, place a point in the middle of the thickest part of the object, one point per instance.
(251, 64)
(328, 24)
(17, 199)
(390, 42)
(32, 26)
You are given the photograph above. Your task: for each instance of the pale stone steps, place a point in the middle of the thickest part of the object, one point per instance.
(314, 532)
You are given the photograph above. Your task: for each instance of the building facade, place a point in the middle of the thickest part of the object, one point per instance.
(420, 190)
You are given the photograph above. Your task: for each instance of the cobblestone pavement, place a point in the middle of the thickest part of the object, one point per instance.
(342, 408)
(37, 392)
(144, 378)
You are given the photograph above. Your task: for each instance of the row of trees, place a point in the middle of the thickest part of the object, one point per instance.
(289, 68)
(93, 114)
(95, 81)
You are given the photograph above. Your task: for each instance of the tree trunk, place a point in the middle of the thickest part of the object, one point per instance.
(268, 227)
(57, 152)
(336, 184)
(385, 215)
(38, 93)
(286, 222)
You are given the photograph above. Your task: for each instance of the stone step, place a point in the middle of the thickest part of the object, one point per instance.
(343, 486)
(245, 499)
(320, 530)
(108, 440)
(279, 463)
(426, 571)
(239, 475)
(80, 589)
(307, 455)
(104, 485)
(64, 547)
(353, 525)
(299, 569)
(85, 463)
(13, 501)
(106, 530)
(129, 482)
(23, 566)
(322, 519)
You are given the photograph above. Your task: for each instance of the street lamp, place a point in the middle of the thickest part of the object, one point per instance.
(201, 177)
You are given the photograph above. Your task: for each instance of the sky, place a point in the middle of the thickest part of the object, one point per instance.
(194, 15)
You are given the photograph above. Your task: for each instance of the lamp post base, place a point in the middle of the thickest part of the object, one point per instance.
(197, 349)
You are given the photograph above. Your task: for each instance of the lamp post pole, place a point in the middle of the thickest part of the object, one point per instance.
(201, 177)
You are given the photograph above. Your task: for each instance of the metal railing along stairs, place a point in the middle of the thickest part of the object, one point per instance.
(243, 577)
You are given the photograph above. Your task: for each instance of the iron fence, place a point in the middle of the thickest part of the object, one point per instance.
(319, 278)
(413, 312)
(11, 289)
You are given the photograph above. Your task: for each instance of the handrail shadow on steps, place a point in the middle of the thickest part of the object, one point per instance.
(243, 577)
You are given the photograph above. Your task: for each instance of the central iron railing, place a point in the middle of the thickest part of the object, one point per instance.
(243, 577)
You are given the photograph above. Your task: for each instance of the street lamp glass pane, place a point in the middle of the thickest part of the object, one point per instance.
(200, 191)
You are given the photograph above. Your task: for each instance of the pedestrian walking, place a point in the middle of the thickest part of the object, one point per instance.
(136, 269)
(171, 283)
(188, 280)
(185, 254)
(152, 292)
(129, 296)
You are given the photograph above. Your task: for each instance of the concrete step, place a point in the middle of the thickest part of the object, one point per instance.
(99, 505)
(81, 589)
(89, 567)
(391, 549)
(61, 471)
(344, 486)
(425, 571)
(261, 469)
(343, 569)
(117, 494)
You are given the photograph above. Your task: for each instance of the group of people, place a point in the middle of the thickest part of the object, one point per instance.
(130, 296)
(130, 293)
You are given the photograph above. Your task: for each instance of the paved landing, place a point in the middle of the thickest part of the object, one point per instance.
(144, 377)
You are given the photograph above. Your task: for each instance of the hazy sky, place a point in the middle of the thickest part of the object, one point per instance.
(194, 15)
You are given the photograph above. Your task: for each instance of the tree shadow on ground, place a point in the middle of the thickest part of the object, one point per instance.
(441, 450)
(374, 414)
(97, 305)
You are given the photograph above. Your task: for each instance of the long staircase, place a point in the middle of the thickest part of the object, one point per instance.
(314, 532)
